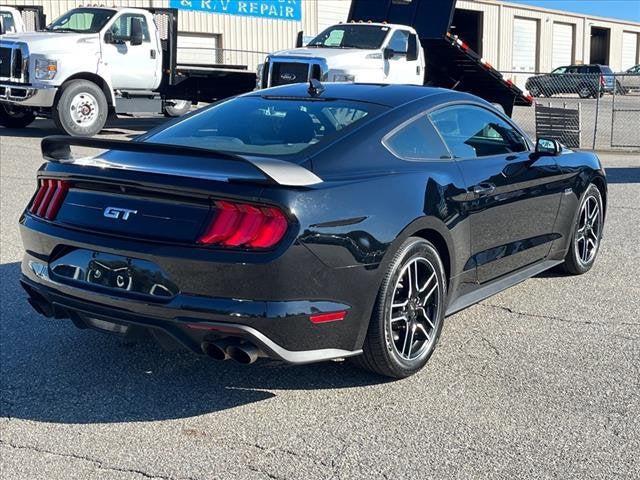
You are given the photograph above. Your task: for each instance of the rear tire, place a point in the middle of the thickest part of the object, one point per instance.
(16, 117)
(587, 233)
(82, 109)
(408, 314)
(179, 108)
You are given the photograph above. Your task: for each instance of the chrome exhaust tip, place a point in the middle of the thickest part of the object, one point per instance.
(216, 349)
(244, 353)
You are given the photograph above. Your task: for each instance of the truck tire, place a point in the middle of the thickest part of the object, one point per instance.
(82, 109)
(16, 117)
(176, 108)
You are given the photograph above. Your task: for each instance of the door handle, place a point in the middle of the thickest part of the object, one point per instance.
(153, 54)
(483, 189)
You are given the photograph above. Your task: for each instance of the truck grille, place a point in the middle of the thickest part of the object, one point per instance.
(285, 73)
(13, 62)
(6, 55)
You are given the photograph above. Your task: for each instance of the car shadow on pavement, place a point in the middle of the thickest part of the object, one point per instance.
(53, 372)
(623, 174)
(42, 128)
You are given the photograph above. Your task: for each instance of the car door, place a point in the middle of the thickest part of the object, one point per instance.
(513, 196)
(399, 68)
(132, 67)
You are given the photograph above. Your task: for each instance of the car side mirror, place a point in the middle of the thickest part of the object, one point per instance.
(300, 39)
(548, 147)
(108, 37)
(136, 32)
(388, 53)
(412, 48)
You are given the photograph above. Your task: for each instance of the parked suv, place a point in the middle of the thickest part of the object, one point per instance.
(584, 80)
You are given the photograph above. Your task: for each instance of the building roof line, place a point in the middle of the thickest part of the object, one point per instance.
(581, 16)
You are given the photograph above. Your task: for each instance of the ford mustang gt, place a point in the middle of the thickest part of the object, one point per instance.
(306, 223)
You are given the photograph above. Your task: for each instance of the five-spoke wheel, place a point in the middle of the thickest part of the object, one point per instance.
(587, 233)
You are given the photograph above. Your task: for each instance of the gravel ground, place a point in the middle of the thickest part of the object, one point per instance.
(540, 381)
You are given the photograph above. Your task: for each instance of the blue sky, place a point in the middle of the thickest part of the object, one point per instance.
(624, 9)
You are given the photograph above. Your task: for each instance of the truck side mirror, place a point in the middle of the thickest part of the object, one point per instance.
(388, 53)
(136, 32)
(548, 147)
(108, 37)
(300, 39)
(412, 48)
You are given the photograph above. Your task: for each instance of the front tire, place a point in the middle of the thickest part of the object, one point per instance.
(409, 312)
(587, 233)
(16, 117)
(82, 109)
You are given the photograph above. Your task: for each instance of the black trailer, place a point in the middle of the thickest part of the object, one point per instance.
(450, 62)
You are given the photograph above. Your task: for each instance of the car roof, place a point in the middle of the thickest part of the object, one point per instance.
(390, 95)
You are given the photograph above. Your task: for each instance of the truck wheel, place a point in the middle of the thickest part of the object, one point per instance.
(16, 117)
(535, 91)
(176, 108)
(81, 110)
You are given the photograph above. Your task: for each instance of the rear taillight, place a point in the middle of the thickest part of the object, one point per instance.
(602, 80)
(49, 198)
(244, 225)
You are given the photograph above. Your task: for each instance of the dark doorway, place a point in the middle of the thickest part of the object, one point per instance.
(600, 41)
(467, 24)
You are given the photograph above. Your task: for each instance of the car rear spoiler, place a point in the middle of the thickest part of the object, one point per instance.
(57, 149)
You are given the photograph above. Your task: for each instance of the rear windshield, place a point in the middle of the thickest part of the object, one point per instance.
(367, 37)
(266, 126)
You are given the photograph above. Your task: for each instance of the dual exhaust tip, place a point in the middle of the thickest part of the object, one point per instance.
(242, 352)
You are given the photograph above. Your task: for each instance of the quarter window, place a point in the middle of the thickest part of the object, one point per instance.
(471, 131)
(417, 141)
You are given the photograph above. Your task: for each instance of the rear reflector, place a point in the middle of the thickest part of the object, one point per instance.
(244, 225)
(327, 317)
(49, 198)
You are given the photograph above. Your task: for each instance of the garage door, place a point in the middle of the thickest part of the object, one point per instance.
(525, 44)
(563, 39)
(629, 49)
(198, 49)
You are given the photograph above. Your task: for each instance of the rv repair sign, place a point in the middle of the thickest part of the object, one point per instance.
(276, 9)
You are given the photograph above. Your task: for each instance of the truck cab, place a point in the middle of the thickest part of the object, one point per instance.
(350, 52)
(11, 20)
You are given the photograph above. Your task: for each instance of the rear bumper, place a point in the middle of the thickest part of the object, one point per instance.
(267, 299)
(190, 323)
(27, 96)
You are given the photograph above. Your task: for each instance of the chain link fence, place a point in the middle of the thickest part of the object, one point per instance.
(596, 111)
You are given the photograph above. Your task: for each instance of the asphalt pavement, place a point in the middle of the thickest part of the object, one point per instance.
(540, 381)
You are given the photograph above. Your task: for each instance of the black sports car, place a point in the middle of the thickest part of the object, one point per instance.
(307, 223)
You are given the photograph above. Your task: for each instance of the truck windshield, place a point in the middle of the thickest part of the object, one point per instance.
(82, 20)
(366, 37)
(266, 126)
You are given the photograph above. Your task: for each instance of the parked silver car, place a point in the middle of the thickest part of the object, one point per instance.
(630, 80)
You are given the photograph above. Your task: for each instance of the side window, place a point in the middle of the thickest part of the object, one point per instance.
(417, 141)
(121, 28)
(7, 22)
(399, 42)
(471, 131)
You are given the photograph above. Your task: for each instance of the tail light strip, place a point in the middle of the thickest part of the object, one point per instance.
(244, 225)
(49, 197)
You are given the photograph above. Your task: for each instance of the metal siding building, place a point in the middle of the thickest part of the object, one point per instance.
(513, 37)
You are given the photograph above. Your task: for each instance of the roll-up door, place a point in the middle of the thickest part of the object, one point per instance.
(563, 40)
(629, 49)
